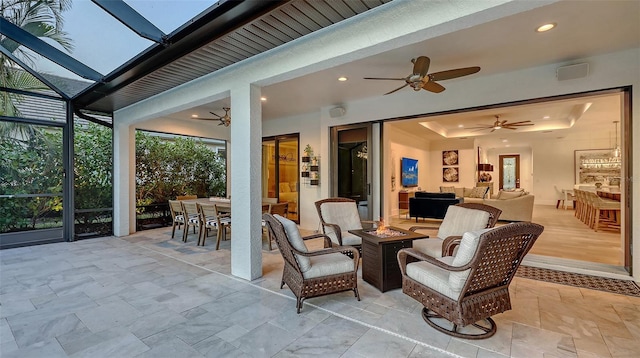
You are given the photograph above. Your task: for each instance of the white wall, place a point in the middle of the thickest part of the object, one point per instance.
(466, 164)
(308, 126)
(398, 144)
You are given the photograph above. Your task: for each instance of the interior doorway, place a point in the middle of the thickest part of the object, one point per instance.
(509, 171)
(350, 156)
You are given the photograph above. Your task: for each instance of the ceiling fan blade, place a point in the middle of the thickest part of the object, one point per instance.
(421, 65)
(397, 89)
(449, 74)
(433, 87)
(493, 130)
(518, 123)
(378, 78)
(507, 127)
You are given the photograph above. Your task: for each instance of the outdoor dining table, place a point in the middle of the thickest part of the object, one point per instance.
(223, 204)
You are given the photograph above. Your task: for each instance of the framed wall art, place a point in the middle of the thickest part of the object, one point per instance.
(450, 157)
(450, 175)
(597, 166)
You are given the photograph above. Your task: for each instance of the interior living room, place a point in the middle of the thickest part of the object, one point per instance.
(547, 141)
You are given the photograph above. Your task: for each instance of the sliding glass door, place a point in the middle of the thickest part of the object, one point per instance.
(350, 163)
(280, 171)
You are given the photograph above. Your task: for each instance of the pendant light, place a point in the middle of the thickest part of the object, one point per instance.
(616, 150)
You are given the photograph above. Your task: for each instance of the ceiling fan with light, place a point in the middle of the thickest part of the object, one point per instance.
(498, 124)
(224, 120)
(421, 79)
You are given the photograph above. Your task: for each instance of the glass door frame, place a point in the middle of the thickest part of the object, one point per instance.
(276, 140)
(372, 157)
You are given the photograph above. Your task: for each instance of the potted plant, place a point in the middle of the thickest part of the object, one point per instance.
(308, 152)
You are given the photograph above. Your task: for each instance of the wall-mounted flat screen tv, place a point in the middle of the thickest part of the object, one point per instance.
(409, 172)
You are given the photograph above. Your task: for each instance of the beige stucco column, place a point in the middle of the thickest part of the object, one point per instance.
(245, 179)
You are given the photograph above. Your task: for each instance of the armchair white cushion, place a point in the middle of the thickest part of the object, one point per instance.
(456, 222)
(295, 239)
(448, 283)
(345, 215)
(327, 265)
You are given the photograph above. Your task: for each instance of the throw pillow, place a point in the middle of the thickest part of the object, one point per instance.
(467, 192)
(447, 189)
(506, 195)
(285, 188)
(479, 192)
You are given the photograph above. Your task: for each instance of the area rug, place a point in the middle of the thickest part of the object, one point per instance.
(612, 285)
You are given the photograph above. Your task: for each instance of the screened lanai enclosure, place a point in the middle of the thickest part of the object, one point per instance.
(56, 180)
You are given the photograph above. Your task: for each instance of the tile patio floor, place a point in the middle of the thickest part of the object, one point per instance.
(149, 296)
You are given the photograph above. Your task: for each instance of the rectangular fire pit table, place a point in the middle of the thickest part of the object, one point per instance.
(379, 262)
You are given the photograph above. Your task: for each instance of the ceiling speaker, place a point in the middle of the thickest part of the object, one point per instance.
(337, 112)
(572, 72)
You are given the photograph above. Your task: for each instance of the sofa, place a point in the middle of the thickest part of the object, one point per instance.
(470, 195)
(515, 206)
(431, 205)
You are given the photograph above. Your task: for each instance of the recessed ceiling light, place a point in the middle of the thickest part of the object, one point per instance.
(505, 140)
(546, 27)
(263, 99)
(460, 125)
(194, 116)
(508, 145)
(342, 79)
(546, 117)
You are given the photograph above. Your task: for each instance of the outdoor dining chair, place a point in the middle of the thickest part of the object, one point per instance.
(177, 217)
(192, 219)
(273, 209)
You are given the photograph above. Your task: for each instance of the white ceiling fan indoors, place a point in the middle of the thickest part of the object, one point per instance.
(498, 124)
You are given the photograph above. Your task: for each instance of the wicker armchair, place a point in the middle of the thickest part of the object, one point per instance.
(470, 288)
(337, 217)
(312, 273)
(458, 219)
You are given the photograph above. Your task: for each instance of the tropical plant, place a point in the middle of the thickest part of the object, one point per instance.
(166, 169)
(41, 18)
(31, 165)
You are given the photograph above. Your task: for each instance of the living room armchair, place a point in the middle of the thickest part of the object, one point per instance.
(466, 290)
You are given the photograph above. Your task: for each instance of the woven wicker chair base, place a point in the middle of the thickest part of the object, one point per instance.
(486, 329)
(314, 287)
(468, 311)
